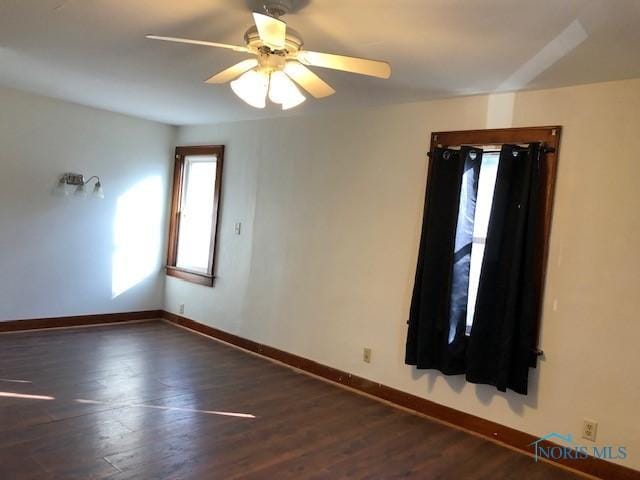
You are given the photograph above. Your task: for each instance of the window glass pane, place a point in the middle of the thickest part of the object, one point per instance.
(486, 187)
(196, 214)
(477, 253)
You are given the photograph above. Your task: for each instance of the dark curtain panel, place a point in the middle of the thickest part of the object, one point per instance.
(501, 345)
(459, 290)
(436, 336)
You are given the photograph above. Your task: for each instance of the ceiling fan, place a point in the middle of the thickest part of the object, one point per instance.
(281, 62)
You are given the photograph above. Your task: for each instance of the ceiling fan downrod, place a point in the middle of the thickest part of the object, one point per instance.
(278, 8)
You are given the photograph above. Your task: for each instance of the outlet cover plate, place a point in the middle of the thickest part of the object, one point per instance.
(589, 429)
(366, 355)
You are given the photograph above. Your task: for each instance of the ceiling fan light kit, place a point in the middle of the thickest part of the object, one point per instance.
(252, 87)
(281, 63)
(283, 91)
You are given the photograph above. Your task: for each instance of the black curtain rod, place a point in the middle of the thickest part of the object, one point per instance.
(545, 148)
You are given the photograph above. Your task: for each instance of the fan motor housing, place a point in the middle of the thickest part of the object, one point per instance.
(293, 41)
(271, 63)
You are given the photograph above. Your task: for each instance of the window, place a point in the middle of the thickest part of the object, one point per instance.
(490, 142)
(194, 213)
(475, 307)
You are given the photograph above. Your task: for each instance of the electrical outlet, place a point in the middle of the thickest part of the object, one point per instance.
(366, 355)
(589, 429)
(181, 308)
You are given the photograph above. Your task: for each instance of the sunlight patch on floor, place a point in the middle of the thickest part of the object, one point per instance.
(10, 380)
(160, 407)
(25, 396)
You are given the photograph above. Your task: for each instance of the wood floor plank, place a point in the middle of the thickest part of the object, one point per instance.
(152, 401)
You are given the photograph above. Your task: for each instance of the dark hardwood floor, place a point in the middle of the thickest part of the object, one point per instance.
(152, 401)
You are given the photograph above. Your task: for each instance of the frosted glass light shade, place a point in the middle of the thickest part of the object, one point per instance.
(98, 192)
(61, 189)
(252, 87)
(283, 91)
(81, 191)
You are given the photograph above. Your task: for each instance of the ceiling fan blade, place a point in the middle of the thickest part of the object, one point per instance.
(308, 80)
(199, 42)
(233, 72)
(273, 32)
(373, 68)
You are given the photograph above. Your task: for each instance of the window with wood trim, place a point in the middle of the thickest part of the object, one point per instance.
(197, 181)
(491, 141)
(477, 295)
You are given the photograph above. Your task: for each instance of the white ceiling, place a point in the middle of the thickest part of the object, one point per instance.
(94, 51)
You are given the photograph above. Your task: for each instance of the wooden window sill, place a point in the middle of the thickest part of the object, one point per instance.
(190, 276)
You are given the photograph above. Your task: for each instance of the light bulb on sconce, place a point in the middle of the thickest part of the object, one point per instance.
(77, 180)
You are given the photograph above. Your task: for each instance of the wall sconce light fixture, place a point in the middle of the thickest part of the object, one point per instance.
(77, 180)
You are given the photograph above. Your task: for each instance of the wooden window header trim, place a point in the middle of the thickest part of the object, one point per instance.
(217, 150)
(550, 136)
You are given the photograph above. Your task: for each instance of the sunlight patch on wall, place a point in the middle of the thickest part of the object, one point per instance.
(500, 108)
(137, 234)
(566, 42)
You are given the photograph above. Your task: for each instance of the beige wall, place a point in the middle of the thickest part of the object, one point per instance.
(76, 256)
(331, 209)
